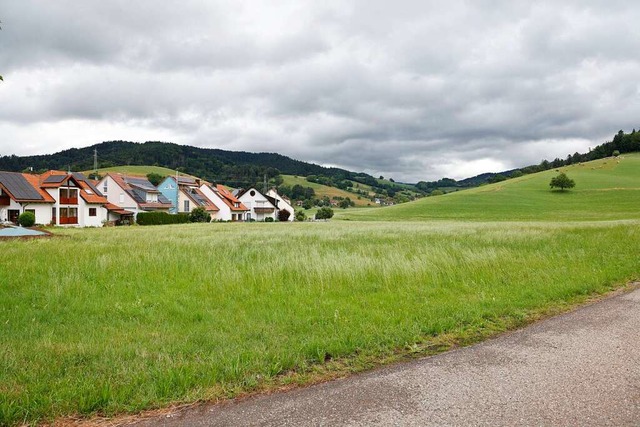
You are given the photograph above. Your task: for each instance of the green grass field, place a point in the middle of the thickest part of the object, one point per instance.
(605, 190)
(118, 320)
(137, 170)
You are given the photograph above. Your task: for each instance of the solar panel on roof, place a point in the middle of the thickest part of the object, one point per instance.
(17, 185)
(141, 183)
(55, 179)
(80, 177)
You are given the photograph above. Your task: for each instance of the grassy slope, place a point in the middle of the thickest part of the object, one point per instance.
(323, 190)
(137, 170)
(605, 189)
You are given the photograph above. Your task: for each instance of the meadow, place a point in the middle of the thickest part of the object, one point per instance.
(118, 320)
(607, 189)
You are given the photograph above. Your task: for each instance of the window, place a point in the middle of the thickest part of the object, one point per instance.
(252, 193)
(93, 212)
(104, 187)
(121, 197)
(186, 206)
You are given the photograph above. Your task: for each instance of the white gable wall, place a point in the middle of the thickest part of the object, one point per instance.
(282, 204)
(257, 200)
(117, 195)
(224, 214)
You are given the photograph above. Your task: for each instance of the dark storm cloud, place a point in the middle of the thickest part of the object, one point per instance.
(413, 90)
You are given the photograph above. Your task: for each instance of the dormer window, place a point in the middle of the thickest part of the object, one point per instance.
(152, 197)
(236, 204)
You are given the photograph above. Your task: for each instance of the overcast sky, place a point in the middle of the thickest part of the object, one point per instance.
(413, 90)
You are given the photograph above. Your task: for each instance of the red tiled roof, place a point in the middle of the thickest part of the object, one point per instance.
(229, 198)
(117, 209)
(34, 180)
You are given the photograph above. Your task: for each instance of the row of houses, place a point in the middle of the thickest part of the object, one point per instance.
(71, 199)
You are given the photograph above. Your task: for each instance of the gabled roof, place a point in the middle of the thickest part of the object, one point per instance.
(199, 199)
(138, 188)
(23, 188)
(88, 191)
(272, 200)
(229, 199)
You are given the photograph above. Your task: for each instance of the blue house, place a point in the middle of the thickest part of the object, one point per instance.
(185, 196)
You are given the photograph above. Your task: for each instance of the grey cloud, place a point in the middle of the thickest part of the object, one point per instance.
(414, 90)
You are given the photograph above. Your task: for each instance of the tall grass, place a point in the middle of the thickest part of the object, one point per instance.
(117, 320)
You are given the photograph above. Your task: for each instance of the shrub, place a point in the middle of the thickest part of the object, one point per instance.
(616, 153)
(268, 219)
(324, 213)
(160, 218)
(27, 219)
(301, 216)
(436, 193)
(199, 215)
(283, 215)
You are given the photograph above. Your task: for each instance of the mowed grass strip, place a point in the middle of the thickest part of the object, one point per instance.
(108, 321)
(606, 189)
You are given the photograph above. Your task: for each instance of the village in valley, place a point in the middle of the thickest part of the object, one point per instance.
(72, 199)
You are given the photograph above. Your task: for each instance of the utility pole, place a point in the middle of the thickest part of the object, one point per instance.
(95, 163)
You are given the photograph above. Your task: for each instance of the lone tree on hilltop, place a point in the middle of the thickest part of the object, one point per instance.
(562, 181)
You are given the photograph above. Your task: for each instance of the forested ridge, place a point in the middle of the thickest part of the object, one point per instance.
(240, 168)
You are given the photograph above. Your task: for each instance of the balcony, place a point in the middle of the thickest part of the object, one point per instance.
(68, 200)
(68, 220)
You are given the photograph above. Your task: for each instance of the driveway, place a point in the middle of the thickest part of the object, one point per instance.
(577, 369)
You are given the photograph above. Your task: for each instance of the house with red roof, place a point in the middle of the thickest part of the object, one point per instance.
(57, 198)
(133, 193)
(230, 208)
(20, 192)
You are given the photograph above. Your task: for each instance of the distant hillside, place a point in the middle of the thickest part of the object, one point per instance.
(233, 168)
(237, 168)
(606, 189)
(621, 143)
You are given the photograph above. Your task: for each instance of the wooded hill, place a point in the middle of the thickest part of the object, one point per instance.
(242, 169)
(236, 168)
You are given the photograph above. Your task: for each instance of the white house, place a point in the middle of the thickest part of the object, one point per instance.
(21, 193)
(55, 197)
(260, 208)
(281, 203)
(230, 208)
(134, 194)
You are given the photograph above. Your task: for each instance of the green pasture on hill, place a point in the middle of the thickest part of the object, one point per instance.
(331, 192)
(607, 189)
(137, 170)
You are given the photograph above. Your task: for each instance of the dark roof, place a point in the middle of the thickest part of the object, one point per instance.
(273, 200)
(55, 178)
(141, 197)
(186, 180)
(19, 187)
(81, 177)
(141, 183)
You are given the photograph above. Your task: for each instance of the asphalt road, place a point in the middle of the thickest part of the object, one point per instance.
(577, 369)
